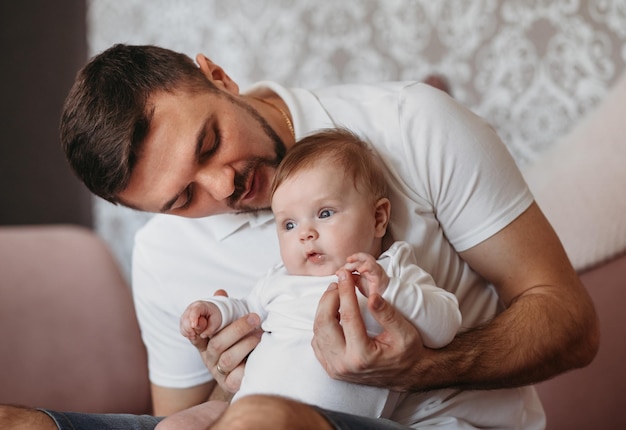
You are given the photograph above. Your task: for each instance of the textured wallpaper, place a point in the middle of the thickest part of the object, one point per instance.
(532, 68)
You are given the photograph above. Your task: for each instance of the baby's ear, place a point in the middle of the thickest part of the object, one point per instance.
(382, 211)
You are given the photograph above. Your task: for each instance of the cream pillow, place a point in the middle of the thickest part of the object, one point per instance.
(580, 183)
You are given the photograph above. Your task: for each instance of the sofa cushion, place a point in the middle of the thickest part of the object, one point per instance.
(579, 183)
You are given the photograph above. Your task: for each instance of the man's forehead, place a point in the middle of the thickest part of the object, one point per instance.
(168, 128)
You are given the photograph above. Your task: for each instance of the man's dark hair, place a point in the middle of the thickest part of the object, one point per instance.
(106, 118)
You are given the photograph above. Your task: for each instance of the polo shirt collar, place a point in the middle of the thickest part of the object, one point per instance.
(306, 110)
(224, 225)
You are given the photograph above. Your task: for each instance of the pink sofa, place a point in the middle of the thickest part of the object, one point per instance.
(70, 339)
(69, 335)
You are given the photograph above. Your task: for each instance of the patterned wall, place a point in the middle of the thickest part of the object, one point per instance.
(533, 68)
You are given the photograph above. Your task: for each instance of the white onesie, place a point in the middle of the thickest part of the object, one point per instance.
(284, 362)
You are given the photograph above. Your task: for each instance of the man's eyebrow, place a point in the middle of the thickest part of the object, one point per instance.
(200, 135)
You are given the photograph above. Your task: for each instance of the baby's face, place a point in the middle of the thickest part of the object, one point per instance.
(321, 219)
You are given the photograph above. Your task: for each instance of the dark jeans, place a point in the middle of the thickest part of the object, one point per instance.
(82, 421)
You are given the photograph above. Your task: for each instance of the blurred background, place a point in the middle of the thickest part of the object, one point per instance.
(533, 68)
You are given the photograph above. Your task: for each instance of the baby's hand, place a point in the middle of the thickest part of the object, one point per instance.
(371, 278)
(200, 320)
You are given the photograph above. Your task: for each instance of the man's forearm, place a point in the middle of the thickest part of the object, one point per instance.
(539, 336)
(218, 393)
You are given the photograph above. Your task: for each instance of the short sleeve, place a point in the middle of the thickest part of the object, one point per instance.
(461, 167)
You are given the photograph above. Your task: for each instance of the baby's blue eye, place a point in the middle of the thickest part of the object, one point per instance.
(289, 225)
(325, 213)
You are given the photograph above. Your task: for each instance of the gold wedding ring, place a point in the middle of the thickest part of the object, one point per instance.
(220, 371)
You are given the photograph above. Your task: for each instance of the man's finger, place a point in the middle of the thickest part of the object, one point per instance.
(232, 382)
(394, 324)
(351, 318)
(327, 310)
(327, 333)
(199, 342)
(231, 334)
(237, 354)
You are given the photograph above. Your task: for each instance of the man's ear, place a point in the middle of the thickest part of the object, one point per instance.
(216, 74)
(382, 211)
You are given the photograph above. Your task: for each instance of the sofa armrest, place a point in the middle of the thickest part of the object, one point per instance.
(591, 398)
(70, 339)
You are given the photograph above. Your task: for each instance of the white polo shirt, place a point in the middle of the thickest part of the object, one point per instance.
(453, 184)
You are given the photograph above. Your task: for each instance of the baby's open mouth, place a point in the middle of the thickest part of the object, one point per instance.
(315, 257)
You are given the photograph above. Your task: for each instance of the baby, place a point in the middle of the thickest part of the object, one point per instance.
(329, 199)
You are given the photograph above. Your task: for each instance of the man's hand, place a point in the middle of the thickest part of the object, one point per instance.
(229, 349)
(343, 347)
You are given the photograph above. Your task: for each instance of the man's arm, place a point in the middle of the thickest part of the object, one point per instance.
(166, 401)
(549, 325)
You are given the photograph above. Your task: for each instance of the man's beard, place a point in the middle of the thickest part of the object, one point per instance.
(242, 178)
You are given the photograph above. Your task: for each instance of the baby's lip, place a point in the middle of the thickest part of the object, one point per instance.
(315, 257)
(311, 251)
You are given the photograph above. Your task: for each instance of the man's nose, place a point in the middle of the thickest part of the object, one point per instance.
(219, 183)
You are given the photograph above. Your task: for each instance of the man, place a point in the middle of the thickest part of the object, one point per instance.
(145, 128)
